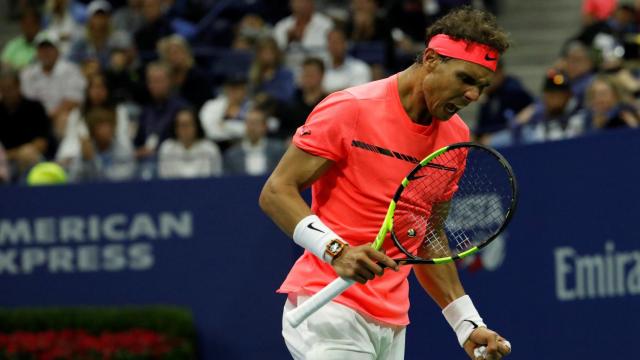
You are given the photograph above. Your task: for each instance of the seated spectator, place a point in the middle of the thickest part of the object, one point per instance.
(5, 175)
(579, 65)
(303, 33)
(366, 29)
(98, 39)
(408, 20)
(500, 102)
(309, 93)
(124, 76)
(609, 105)
(129, 18)
(60, 22)
(156, 119)
(343, 70)
(186, 153)
(20, 51)
(256, 154)
(57, 83)
(550, 118)
(104, 156)
(189, 81)
(250, 28)
(223, 117)
(268, 75)
(597, 10)
(25, 129)
(98, 96)
(156, 26)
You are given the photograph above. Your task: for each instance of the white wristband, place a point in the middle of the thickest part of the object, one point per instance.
(312, 234)
(463, 318)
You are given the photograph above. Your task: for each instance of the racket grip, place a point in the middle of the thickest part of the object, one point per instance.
(318, 300)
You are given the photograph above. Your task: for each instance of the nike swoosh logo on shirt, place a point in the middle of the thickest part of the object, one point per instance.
(310, 226)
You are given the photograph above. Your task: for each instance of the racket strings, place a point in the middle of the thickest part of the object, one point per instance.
(453, 206)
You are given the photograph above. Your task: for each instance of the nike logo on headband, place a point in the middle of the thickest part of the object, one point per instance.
(489, 58)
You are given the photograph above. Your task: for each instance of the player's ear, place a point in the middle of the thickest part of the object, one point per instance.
(430, 58)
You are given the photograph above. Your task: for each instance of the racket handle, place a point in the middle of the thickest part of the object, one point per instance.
(318, 300)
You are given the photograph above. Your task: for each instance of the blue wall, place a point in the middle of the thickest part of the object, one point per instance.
(563, 283)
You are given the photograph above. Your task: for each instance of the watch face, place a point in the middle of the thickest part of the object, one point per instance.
(335, 246)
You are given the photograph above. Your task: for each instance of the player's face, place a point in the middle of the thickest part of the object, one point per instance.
(452, 84)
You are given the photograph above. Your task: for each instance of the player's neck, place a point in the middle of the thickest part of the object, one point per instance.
(411, 95)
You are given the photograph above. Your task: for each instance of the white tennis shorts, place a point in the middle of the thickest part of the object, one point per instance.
(337, 332)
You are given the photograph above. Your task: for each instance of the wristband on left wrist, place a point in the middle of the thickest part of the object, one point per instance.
(463, 318)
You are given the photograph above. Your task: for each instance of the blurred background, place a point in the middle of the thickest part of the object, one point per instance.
(159, 120)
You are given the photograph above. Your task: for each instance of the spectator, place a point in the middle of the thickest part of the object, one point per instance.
(98, 96)
(309, 93)
(342, 70)
(129, 19)
(597, 10)
(303, 33)
(104, 156)
(256, 154)
(124, 76)
(186, 153)
(5, 175)
(371, 37)
(550, 118)
(609, 105)
(20, 50)
(250, 28)
(25, 129)
(156, 26)
(501, 101)
(189, 81)
(60, 22)
(223, 117)
(579, 66)
(55, 82)
(156, 119)
(268, 75)
(99, 38)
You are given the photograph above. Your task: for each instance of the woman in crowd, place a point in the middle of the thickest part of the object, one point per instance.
(187, 154)
(98, 95)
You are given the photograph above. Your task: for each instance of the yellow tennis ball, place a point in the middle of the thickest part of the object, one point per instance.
(46, 173)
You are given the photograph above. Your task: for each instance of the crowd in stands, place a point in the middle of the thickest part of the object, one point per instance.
(139, 89)
(594, 84)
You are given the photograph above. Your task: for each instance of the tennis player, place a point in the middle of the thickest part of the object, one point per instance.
(354, 149)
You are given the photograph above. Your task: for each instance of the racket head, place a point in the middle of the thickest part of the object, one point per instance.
(452, 204)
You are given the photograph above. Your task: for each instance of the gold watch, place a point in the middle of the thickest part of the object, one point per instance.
(335, 248)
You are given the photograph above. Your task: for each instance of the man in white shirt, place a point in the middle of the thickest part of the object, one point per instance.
(303, 33)
(57, 83)
(343, 71)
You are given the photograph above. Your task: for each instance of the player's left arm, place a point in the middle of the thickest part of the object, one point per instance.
(443, 285)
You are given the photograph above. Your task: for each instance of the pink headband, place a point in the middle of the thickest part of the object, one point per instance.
(465, 50)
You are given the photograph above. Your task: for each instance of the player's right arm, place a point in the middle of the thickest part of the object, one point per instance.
(280, 199)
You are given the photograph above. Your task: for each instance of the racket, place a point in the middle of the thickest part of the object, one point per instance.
(452, 204)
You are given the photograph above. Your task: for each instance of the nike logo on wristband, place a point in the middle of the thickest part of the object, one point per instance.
(310, 226)
(475, 326)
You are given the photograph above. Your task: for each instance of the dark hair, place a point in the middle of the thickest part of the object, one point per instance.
(109, 101)
(196, 120)
(314, 61)
(467, 23)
